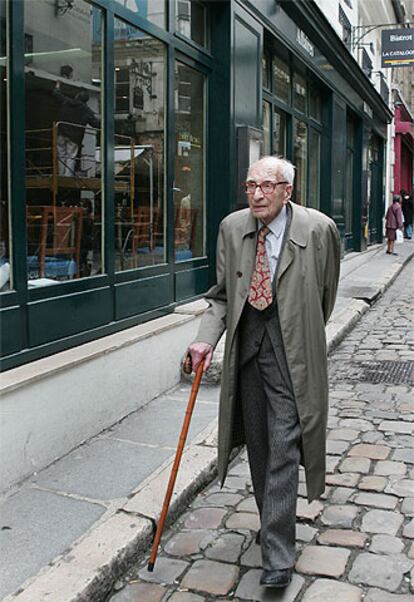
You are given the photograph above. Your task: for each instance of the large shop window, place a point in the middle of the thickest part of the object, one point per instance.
(152, 10)
(140, 216)
(300, 161)
(63, 142)
(314, 168)
(279, 133)
(189, 189)
(5, 250)
(267, 107)
(281, 80)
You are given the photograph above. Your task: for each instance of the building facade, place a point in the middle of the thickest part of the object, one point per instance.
(126, 130)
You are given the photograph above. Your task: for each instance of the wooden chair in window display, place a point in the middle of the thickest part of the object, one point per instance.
(184, 232)
(57, 234)
(145, 230)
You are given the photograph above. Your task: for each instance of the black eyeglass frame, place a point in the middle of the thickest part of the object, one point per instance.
(266, 182)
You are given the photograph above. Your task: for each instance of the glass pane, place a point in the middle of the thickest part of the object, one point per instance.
(300, 160)
(315, 104)
(189, 196)
(349, 180)
(299, 92)
(190, 20)
(63, 141)
(281, 79)
(314, 168)
(139, 149)
(279, 134)
(266, 129)
(5, 255)
(153, 10)
(265, 71)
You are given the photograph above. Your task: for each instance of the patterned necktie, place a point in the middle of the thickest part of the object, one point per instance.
(260, 294)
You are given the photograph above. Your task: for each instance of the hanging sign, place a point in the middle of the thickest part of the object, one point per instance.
(397, 47)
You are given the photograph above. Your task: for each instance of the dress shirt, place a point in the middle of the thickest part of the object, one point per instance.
(274, 239)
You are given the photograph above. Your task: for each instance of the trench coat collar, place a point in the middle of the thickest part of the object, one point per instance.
(298, 232)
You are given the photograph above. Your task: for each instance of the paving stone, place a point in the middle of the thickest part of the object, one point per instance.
(357, 424)
(343, 537)
(378, 500)
(306, 511)
(211, 577)
(345, 479)
(408, 530)
(223, 499)
(407, 506)
(400, 487)
(253, 556)
(381, 521)
(166, 570)
(374, 452)
(205, 518)
(411, 551)
(235, 483)
(321, 560)
(250, 589)
(181, 597)
(336, 447)
(247, 505)
(150, 592)
(343, 434)
(404, 455)
(186, 543)
(305, 532)
(331, 463)
(341, 495)
(387, 467)
(361, 465)
(243, 520)
(378, 595)
(396, 426)
(385, 572)
(227, 547)
(386, 544)
(332, 591)
(340, 516)
(372, 483)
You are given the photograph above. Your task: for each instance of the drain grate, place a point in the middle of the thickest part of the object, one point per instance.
(376, 372)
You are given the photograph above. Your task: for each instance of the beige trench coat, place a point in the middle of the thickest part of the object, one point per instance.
(307, 280)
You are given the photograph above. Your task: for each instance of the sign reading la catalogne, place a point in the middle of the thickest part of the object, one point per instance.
(397, 47)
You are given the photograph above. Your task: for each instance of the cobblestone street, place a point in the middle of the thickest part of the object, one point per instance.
(354, 544)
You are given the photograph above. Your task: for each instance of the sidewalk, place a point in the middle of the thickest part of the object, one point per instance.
(71, 530)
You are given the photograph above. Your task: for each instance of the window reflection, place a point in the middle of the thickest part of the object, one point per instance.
(189, 197)
(153, 10)
(279, 133)
(281, 79)
(190, 17)
(63, 141)
(299, 92)
(139, 149)
(314, 168)
(5, 255)
(266, 129)
(300, 161)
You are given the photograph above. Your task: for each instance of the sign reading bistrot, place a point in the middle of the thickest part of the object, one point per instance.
(397, 47)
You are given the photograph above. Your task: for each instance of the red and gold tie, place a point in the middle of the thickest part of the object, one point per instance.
(260, 294)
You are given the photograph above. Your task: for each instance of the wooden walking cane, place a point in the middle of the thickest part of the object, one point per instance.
(183, 436)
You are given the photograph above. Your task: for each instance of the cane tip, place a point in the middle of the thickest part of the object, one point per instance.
(150, 567)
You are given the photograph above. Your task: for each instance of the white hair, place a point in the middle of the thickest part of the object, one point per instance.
(282, 166)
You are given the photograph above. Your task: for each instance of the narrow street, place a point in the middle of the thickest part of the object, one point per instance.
(357, 542)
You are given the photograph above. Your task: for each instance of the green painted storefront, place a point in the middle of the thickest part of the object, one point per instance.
(184, 93)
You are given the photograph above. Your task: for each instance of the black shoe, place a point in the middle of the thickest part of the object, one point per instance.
(258, 537)
(277, 578)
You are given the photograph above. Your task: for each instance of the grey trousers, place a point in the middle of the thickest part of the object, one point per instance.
(272, 432)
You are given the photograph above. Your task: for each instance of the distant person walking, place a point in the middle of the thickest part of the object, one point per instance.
(74, 115)
(393, 222)
(407, 203)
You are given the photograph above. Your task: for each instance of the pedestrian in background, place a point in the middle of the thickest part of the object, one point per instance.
(407, 209)
(393, 222)
(277, 275)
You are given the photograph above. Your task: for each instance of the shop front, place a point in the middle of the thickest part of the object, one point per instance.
(127, 127)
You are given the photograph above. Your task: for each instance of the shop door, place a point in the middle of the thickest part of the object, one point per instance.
(375, 206)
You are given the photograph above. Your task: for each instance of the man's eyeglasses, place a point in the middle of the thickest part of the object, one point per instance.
(267, 187)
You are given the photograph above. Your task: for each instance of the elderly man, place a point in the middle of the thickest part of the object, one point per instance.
(277, 275)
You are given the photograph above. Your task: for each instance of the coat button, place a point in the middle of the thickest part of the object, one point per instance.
(239, 274)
